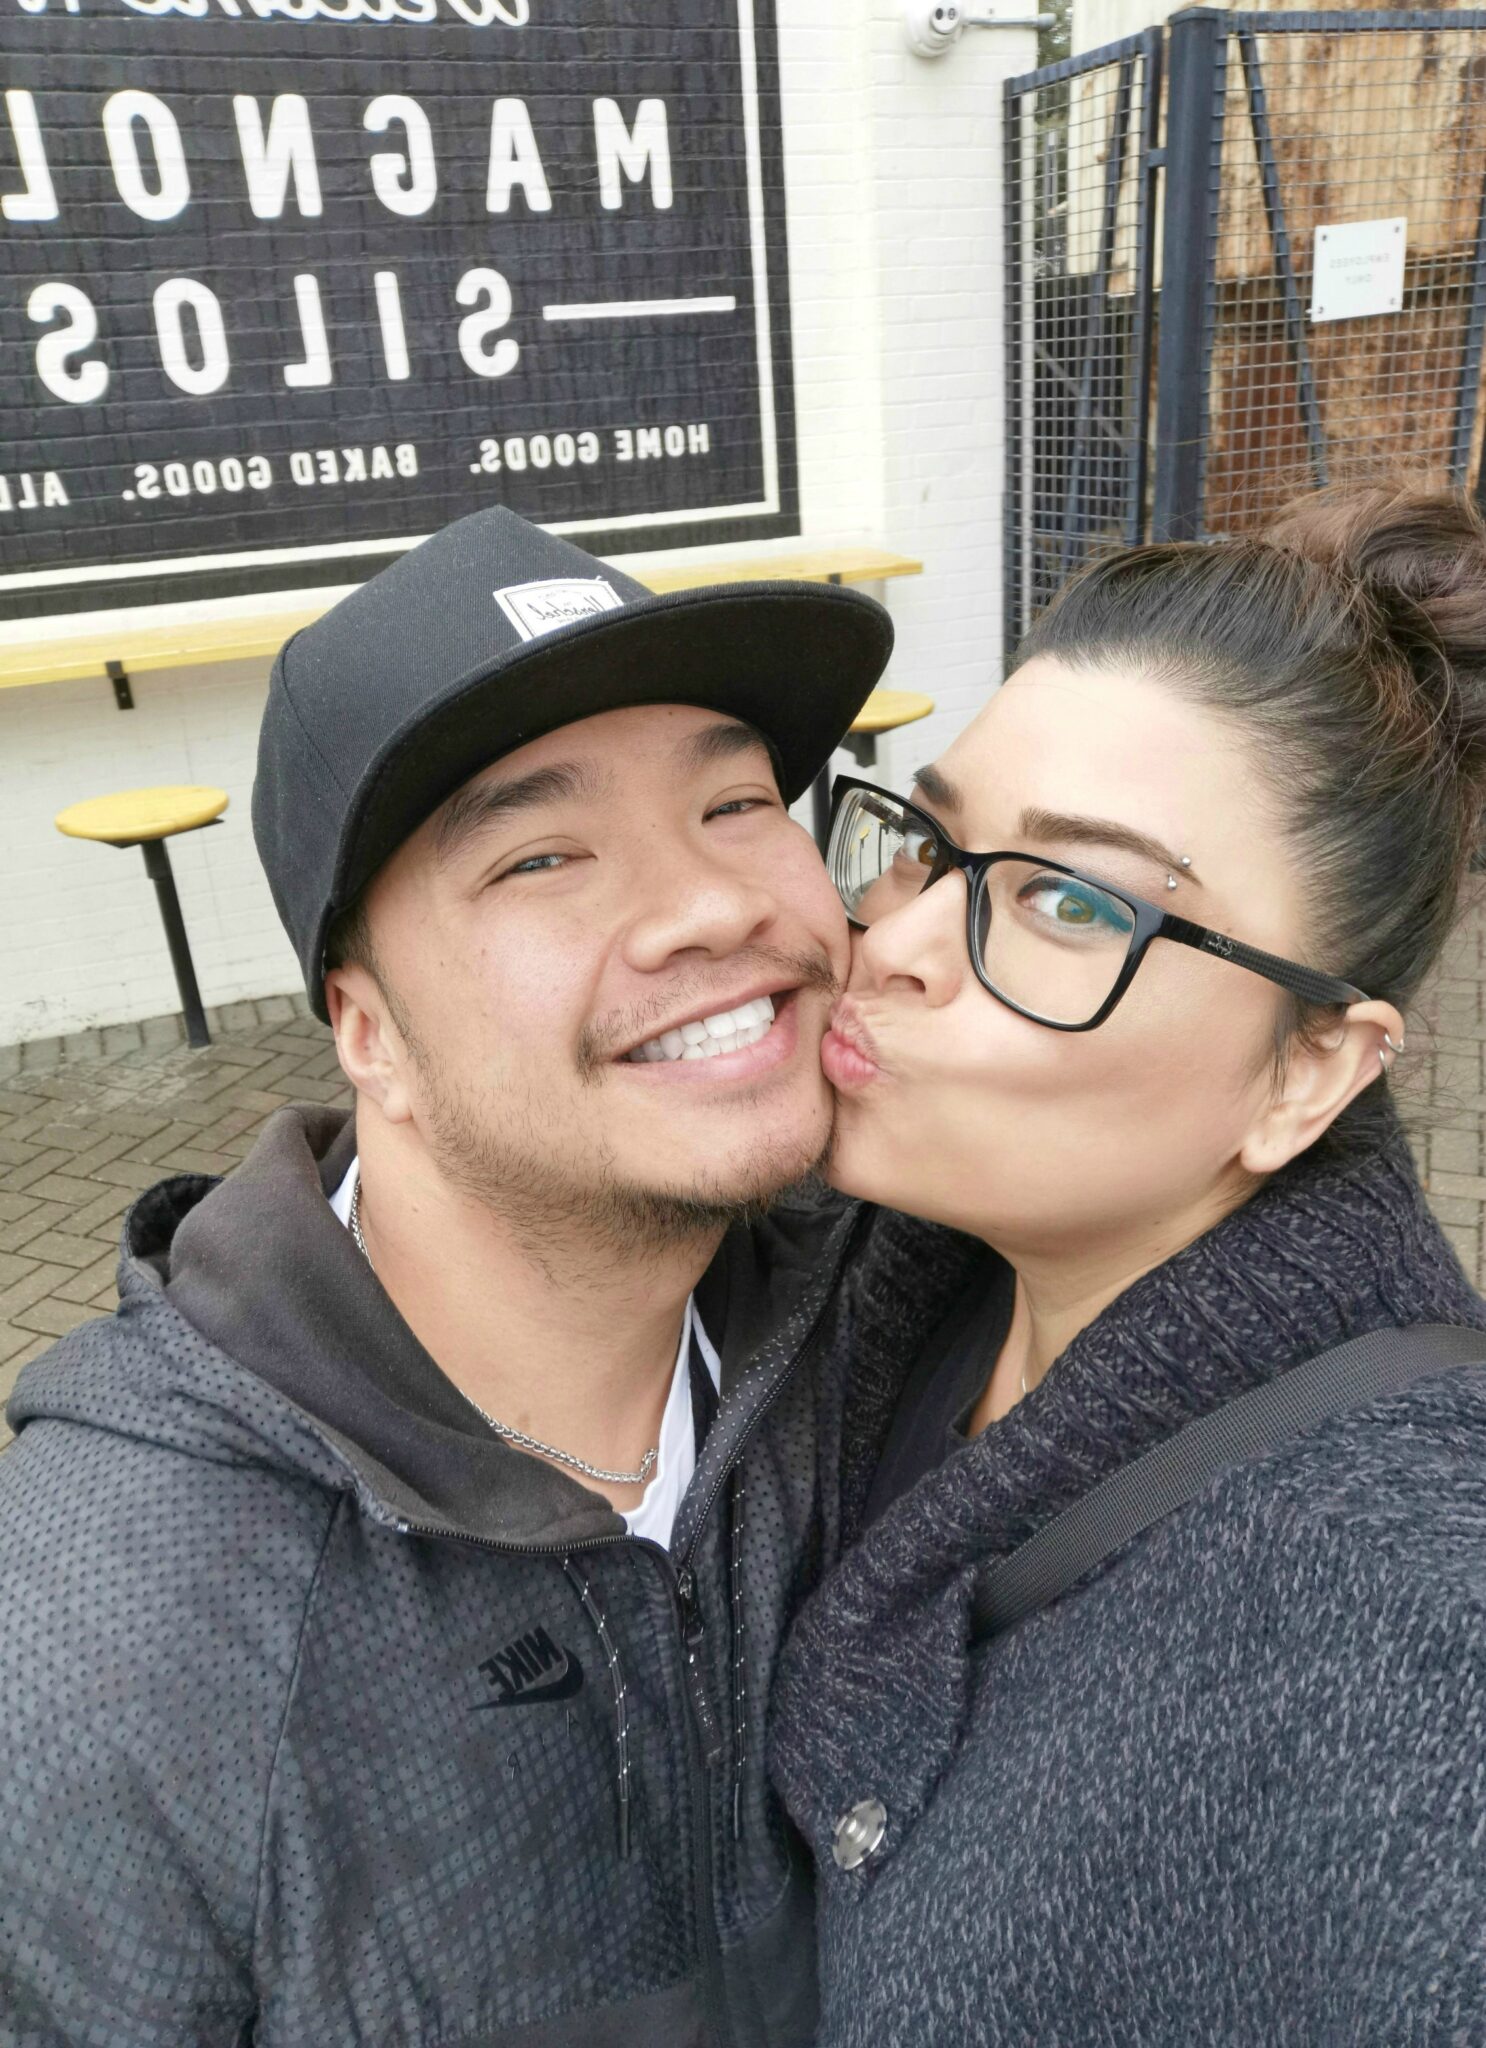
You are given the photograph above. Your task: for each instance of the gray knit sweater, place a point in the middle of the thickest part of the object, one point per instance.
(1232, 1788)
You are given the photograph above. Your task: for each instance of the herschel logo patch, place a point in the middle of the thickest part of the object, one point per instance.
(532, 1668)
(537, 608)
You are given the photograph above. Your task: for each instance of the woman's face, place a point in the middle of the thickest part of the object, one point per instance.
(1034, 1139)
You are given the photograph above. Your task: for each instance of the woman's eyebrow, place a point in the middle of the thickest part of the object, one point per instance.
(1068, 830)
(937, 788)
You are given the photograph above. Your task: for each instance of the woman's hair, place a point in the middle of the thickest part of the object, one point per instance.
(1348, 644)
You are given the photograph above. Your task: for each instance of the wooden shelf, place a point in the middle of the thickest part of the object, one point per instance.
(53, 654)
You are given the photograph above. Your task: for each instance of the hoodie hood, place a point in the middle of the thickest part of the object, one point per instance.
(310, 1369)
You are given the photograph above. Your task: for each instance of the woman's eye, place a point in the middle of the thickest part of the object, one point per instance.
(1073, 905)
(922, 847)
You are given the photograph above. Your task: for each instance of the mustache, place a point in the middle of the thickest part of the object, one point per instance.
(599, 1041)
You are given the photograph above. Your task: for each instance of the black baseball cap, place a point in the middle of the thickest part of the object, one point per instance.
(490, 634)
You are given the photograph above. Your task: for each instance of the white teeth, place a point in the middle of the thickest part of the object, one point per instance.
(727, 1031)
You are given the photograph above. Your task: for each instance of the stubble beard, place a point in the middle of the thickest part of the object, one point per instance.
(547, 1206)
(498, 1151)
(505, 1164)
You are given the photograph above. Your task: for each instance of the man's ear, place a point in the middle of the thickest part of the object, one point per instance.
(1320, 1081)
(368, 1044)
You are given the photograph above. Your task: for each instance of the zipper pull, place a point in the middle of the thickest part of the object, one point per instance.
(693, 1629)
(691, 1613)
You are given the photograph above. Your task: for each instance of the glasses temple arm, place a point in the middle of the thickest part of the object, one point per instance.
(1306, 982)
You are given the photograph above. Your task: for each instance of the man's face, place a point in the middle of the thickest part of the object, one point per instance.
(621, 881)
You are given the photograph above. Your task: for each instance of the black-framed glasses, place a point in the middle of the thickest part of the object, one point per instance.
(1057, 946)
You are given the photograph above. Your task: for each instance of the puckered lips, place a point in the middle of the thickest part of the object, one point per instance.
(847, 1056)
(754, 1033)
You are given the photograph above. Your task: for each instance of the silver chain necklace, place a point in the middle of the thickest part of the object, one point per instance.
(504, 1429)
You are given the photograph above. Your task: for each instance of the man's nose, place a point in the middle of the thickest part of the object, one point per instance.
(697, 906)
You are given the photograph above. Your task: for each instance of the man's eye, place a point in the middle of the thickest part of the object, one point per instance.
(535, 864)
(738, 805)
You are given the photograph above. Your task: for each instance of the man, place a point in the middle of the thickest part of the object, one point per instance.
(391, 1586)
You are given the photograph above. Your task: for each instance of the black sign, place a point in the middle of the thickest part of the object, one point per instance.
(289, 284)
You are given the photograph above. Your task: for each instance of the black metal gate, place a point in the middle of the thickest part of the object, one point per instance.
(1167, 374)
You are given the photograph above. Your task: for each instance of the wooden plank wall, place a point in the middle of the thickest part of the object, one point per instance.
(1366, 125)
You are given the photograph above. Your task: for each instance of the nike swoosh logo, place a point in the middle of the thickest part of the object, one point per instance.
(561, 1686)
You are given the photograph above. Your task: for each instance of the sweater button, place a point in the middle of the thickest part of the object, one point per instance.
(859, 1833)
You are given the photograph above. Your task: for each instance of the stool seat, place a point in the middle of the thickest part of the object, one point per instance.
(134, 815)
(146, 818)
(886, 710)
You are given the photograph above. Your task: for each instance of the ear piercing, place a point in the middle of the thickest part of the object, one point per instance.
(1394, 1049)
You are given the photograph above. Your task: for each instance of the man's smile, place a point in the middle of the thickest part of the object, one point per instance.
(742, 1042)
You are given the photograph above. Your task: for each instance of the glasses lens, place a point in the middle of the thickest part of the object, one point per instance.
(1049, 943)
(880, 855)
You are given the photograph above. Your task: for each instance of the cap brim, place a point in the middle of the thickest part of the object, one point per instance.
(796, 660)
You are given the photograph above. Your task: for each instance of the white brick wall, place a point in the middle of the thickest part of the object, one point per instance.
(894, 186)
(80, 936)
(936, 199)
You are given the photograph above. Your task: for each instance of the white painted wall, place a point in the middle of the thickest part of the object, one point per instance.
(893, 170)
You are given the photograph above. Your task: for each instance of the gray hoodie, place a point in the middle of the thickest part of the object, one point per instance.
(328, 1718)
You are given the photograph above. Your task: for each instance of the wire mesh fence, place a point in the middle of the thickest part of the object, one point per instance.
(1180, 207)
(1321, 131)
(1078, 137)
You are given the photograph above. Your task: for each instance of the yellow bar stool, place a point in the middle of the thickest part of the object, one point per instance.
(884, 711)
(146, 818)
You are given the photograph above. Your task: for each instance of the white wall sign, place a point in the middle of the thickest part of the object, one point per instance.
(1358, 269)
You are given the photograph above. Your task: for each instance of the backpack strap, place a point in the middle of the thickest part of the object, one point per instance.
(1164, 1478)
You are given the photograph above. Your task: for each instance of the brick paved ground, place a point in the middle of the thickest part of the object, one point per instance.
(86, 1122)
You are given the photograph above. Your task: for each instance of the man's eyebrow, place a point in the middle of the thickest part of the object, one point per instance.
(1067, 830)
(720, 742)
(471, 810)
(937, 788)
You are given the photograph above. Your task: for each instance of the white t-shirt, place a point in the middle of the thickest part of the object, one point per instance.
(676, 1455)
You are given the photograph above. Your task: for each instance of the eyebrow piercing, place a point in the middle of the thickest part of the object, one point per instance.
(1186, 860)
(1171, 881)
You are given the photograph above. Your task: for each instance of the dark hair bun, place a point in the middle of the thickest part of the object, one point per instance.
(1420, 556)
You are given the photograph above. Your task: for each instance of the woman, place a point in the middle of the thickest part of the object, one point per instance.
(1232, 1787)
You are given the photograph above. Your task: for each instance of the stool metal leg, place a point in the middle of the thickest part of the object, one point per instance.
(157, 867)
(866, 752)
